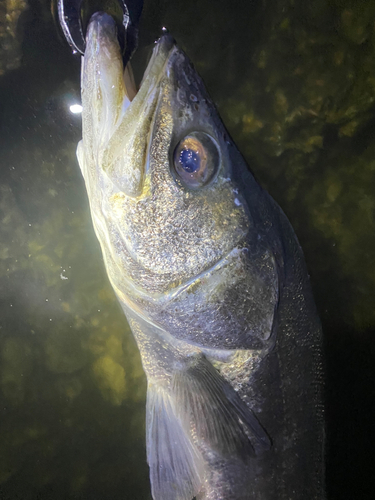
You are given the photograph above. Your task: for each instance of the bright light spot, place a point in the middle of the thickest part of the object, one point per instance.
(75, 109)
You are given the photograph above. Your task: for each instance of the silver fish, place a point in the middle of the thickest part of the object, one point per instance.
(212, 281)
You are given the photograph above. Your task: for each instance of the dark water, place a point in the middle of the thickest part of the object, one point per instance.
(295, 84)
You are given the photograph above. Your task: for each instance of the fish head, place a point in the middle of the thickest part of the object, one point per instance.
(177, 232)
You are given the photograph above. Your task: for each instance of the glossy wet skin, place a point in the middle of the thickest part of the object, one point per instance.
(164, 236)
(209, 275)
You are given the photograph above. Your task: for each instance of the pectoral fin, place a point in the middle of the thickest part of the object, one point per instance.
(176, 466)
(199, 412)
(222, 420)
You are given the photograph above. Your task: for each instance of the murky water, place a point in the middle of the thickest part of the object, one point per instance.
(295, 84)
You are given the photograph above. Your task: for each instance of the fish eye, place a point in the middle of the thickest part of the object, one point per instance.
(196, 160)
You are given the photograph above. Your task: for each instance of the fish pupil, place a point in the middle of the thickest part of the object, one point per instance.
(189, 160)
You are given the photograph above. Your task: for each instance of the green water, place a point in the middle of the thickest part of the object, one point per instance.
(295, 85)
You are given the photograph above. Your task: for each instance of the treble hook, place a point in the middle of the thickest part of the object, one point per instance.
(71, 24)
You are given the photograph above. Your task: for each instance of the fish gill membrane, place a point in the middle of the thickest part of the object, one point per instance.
(212, 280)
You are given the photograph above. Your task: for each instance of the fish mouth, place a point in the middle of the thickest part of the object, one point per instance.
(102, 34)
(118, 117)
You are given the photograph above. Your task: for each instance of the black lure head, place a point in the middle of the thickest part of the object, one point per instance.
(75, 14)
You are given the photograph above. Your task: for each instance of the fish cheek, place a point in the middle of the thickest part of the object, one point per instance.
(195, 228)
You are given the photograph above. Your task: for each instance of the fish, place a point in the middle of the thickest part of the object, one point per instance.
(212, 281)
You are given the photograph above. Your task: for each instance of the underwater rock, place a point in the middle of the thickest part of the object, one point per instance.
(110, 378)
(10, 43)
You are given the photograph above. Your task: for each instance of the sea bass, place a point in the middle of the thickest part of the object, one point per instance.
(211, 279)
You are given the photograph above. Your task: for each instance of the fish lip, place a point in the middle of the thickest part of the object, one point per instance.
(165, 43)
(164, 47)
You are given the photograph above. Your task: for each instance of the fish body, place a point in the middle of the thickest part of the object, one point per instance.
(212, 281)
